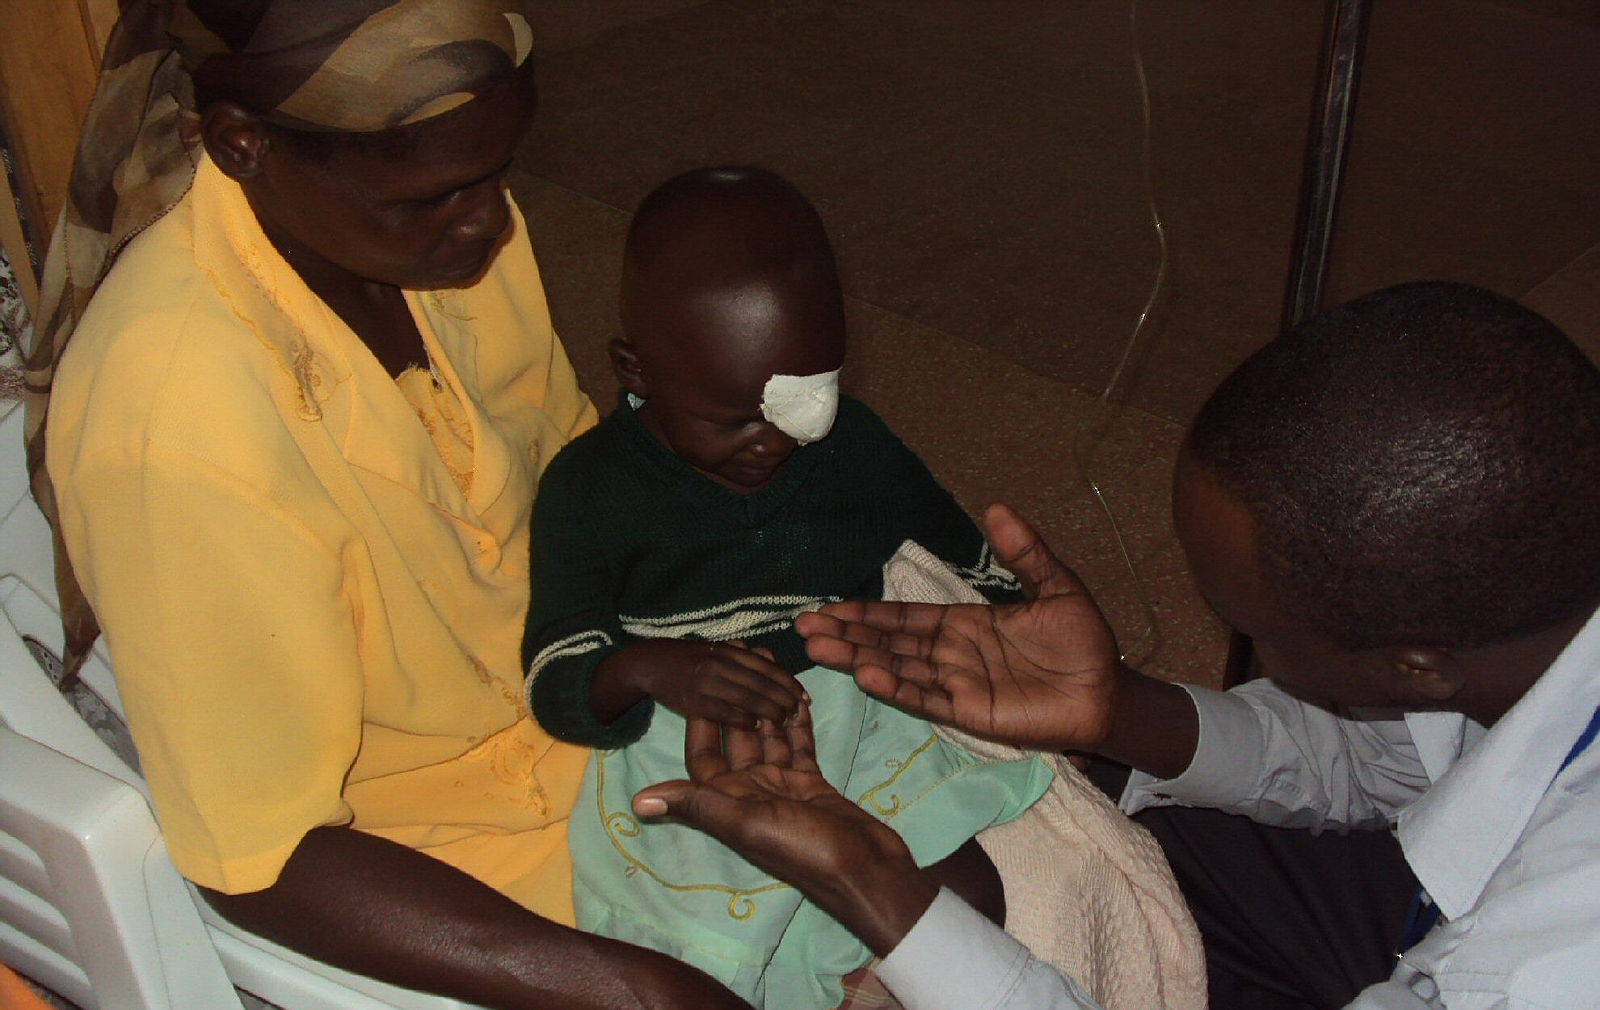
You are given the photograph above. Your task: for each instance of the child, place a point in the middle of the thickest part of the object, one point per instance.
(673, 546)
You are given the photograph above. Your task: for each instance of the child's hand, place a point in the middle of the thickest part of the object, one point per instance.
(726, 682)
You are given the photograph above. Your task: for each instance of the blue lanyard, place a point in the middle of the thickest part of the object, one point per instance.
(1424, 913)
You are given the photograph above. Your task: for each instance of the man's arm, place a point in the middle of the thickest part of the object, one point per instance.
(1279, 760)
(378, 908)
(1043, 674)
(760, 793)
(956, 958)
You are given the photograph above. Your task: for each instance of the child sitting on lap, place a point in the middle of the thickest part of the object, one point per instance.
(673, 546)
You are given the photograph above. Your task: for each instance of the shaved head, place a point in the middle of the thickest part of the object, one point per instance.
(1424, 464)
(732, 265)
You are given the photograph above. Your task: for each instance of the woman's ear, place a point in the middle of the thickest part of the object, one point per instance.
(625, 363)
(235, 140)
(1428, 674)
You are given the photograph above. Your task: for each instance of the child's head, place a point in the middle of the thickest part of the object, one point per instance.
(733, 322)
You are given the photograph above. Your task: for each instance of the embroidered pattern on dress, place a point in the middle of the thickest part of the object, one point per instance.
(301, 365)
(437, 407)
(868, 800)
(514, 763)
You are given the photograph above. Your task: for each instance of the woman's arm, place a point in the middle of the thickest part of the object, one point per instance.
(372, 906)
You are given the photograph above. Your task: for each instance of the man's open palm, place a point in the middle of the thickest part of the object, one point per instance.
(1039, 674)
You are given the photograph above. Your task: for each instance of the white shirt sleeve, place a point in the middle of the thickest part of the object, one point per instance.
(1278, 760)
(954, 958)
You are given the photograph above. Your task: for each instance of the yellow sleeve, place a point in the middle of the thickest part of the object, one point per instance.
(232, 631)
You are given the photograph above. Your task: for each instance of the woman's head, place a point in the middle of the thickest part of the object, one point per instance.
(416, 206)
(371, 139)
(348, 66)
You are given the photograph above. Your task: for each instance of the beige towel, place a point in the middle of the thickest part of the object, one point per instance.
(1086, 889)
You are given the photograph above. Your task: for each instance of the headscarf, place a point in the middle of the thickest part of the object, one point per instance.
(346, 66)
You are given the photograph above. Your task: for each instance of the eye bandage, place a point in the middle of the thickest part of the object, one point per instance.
(802, 406)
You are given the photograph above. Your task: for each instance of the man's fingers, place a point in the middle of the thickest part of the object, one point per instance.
(702, 750)
(1020, 548)
(802, 743)
(877, 681)
(662, 798)
(926, 700)
(918, 620)
(849, 645)
(775, 749)
(715, 813)
(742, 746)
(851, 656)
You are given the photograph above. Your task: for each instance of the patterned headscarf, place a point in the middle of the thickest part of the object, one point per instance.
(346, 66)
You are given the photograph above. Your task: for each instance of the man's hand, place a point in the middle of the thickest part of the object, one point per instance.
(760, 793)
(1041, 674)
(722, 681)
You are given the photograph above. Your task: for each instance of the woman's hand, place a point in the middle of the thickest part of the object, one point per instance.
(1042, 674)
(760, 793)
(725, 682)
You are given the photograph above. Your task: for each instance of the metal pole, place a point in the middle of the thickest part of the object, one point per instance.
(1328, 145)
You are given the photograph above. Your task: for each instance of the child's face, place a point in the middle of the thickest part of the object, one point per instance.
(705, 363)
(717, 428)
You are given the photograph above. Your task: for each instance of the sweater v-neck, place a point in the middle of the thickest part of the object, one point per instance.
(712, 498)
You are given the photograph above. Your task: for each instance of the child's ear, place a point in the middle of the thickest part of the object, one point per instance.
(625, 363)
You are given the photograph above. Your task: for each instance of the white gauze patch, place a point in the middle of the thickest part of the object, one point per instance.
(802, 406)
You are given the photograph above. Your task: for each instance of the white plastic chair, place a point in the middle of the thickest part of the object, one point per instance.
(90, 904)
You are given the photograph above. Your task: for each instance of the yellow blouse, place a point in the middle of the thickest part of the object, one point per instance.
(314, 610)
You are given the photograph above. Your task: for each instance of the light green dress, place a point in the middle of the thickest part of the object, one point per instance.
(675, 889)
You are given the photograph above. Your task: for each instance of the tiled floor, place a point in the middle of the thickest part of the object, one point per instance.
(980, 167)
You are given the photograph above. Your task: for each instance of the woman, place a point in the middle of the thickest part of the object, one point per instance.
(304, 383)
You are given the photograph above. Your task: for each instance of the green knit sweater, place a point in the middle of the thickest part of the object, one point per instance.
(631, 542)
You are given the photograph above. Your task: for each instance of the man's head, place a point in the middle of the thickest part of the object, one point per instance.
(1416, 470)
(733, 322)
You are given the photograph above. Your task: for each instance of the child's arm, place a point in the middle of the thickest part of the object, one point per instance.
(588, 681)
(954, 538)
(722, 681)
(933, 517)
(572, 622)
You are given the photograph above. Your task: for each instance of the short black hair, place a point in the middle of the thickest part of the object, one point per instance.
(1423, 464)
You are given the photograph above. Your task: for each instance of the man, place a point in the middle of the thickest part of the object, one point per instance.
(1398, 502)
